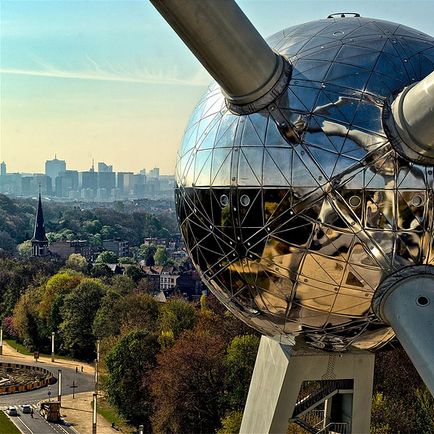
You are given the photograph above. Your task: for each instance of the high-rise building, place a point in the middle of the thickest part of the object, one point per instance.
(88, 182)
(154, 173)
(39, 240)
(31, 184)
(123, 182)
(102, 167)
(66, 183)
(107, 180)
(2, 168)
(53, 168)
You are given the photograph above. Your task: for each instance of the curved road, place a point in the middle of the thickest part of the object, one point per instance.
(37, 424)
(85, 383)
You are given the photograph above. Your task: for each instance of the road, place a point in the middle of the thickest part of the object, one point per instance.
(38, 425)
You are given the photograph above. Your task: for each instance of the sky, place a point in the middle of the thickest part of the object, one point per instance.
(111, 81)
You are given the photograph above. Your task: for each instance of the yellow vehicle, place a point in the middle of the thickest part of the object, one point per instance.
(50, 410)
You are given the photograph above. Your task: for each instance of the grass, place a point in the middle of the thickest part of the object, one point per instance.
(105, 410)
(24, 350)
(6, 426)
(19, 347)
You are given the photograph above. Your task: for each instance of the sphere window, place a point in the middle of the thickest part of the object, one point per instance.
(224, 200)
(355, 201)
(245, 200)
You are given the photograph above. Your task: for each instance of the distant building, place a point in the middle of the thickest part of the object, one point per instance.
(64, 249)
(88, 181)
(124, 182)
(154, 173)
(3, 169)
(168, 279)
(107, 180)
(53, 168)
(66, 183)
(30, 185)
(103, 168)
(120, 247)
(39, 240)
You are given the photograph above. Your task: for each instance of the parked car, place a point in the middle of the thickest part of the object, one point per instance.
(27, 408)
(12, 411)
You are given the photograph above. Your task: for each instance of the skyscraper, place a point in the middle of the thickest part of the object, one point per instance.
(102, 167)
(3, 168)
(53, 168)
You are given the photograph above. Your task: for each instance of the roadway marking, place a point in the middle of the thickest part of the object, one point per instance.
(17, 425)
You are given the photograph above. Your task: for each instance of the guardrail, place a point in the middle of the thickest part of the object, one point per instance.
(32, 385)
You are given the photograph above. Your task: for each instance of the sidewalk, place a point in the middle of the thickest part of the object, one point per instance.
(8, 351)
(78, 412)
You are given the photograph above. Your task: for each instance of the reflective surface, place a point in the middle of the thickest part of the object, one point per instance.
(294, 227)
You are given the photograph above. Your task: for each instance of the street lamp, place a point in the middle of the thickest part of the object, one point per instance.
(52, 346)
(94, 414)
(59, 386)
(1, 341)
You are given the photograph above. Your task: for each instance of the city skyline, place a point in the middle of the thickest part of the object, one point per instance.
(92, 79)
(93, 164)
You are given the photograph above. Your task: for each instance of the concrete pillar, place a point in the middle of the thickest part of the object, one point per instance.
(279, 373)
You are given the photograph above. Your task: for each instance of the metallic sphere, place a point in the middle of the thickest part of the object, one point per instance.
(294, 215)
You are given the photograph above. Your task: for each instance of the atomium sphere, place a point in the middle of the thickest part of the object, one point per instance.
(293, 224)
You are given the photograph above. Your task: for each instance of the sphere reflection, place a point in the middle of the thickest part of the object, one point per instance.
(295, 214)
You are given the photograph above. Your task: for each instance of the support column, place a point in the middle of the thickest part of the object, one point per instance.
(405, 301)
(279, 373)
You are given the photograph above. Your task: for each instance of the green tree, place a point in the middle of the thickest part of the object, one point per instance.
(78, 312)
(107, 257)
(239, 363)
(135, 273)
(60, 283)
(160, 256)
(130, 364)
(106, 322)
(126, 260)
(138, 311)
(26, 321)
(25, 249)
(7, 243)
(101, 271)
(177, 315)
(231, 423)
(76, 262)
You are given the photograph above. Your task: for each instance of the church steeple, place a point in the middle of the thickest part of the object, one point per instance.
(39, 240)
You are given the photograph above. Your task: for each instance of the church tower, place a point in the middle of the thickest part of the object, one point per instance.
(39, 240)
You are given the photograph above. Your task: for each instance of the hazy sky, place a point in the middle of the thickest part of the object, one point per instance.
(110, 80)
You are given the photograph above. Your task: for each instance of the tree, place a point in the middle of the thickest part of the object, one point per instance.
(161, 256)
(135, 273)
(129, 366)
(177, 315)
(25, 249)
(7, 243)
(126, 260)
(60, 283)
(107, 257)
(138, 311)
(101, 271)
(187, 385)
(231, 423)
(77, 262)
(106, 322)
(78, 312)
(239, 363)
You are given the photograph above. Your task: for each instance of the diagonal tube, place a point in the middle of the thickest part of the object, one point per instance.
(413, 116)
(230, 48)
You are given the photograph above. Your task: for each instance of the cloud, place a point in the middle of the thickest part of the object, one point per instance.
(99, 73)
